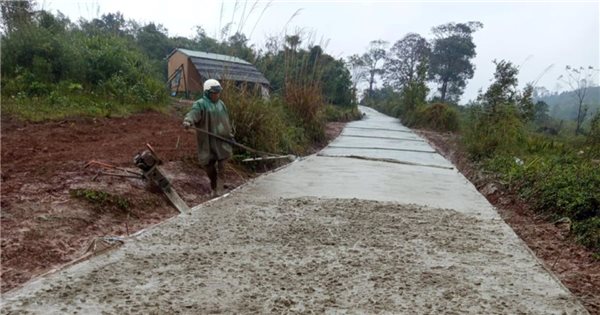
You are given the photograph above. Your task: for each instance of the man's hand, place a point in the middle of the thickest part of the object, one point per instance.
(186, 124)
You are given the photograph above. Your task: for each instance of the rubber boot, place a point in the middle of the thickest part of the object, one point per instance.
(220, 189)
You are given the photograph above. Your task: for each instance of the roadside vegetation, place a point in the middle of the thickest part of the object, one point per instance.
(54, 69)
(548, 154)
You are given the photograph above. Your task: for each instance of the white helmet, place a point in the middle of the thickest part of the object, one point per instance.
(212, 85)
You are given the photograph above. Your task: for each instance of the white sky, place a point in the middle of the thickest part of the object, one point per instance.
(533, 34)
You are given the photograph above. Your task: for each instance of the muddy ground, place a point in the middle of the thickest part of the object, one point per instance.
(43, 225)
(572, 263)
(250, 254)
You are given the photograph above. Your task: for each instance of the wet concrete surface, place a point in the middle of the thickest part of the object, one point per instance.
(323, 235)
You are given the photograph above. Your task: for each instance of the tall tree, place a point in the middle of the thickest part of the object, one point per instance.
(357, 69)
(16, 14)
(450, 64)
(504, 88)
(293, 41)
(404, 60)
(579, 80)
(503, 92)
(373, 60)
(153, 40)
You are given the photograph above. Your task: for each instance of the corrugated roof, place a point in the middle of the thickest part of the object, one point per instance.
(221, 70)
(207, 55)
(223, 67)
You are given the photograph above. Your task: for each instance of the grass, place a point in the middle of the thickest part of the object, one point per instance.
(38, 109)
(555, 177)
(102, 201)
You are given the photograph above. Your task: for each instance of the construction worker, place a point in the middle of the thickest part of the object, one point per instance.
(210, 114)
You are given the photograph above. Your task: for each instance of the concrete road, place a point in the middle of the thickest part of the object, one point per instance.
(378, 222)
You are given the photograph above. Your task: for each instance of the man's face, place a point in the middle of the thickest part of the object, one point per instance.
(214, 96)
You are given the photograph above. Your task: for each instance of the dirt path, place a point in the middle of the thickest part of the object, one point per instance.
(573, 264)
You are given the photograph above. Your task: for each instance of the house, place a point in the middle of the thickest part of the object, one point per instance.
(188, 69)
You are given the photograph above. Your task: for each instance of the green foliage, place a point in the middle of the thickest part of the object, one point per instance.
(258, 123)
(437, 116)
(305, 102)
(488, 133)
(372, 61)
(102, 201)
(593, 137)
(307, 67)
(588, 233)
(53, 69)
(496, 125)
(407, 60)
(342, 114)
(450, 61)
(555, 180)
(385, 100)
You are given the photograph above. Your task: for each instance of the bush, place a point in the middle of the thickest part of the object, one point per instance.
(488, 133)
(342, 114)
(437, 116)
(306, 103)
(262, 124)
(588, 233)
(593, 138)
(559, 184)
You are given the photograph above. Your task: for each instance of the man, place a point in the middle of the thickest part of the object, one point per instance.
(210, 114)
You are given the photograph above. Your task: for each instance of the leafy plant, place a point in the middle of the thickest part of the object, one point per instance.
(102, 201)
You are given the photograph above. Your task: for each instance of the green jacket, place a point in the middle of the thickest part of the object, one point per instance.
(212, 117)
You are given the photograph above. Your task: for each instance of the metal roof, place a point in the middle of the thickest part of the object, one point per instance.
(223, 67)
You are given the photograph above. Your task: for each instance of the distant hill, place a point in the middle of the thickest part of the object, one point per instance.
(564, 105)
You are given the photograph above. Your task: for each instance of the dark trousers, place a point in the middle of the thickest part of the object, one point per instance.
(216, 173)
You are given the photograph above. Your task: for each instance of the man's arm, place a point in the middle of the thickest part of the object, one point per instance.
(193, 116)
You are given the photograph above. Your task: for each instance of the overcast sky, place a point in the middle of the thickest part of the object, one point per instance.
(533, 34)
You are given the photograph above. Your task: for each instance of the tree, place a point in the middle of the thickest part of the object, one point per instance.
(504, 88)
(292, 41)
(450, 62)
(541, 110)
(579, 80)
(404, 60)
(373, 59)
(357, 69)
(237, 45)
(111, 23)
(496, 122)
(525, 104)
(153, 40)
(413, 94)
(16, 14)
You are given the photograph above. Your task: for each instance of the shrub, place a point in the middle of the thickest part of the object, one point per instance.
(437, 116)
(102, 201)
(342, 114)
(593, 138)
(306, 103)
(563, 185)
(488, 133)
(261, 124)
(588, 233)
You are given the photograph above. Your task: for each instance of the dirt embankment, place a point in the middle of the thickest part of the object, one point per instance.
(44, 226)
(572, 263)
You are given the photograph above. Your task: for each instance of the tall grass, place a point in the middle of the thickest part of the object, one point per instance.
(306, 103)
(266, 125)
